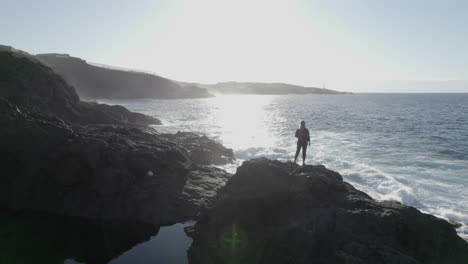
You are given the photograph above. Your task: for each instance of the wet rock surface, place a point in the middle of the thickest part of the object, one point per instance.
(275, 212)
(202, 149)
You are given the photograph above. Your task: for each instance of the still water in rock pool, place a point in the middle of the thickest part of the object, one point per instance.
(46, 238)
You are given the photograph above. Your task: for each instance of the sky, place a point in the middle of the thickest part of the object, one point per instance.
(349, 45)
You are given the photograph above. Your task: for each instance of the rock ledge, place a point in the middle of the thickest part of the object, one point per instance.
(275, 212)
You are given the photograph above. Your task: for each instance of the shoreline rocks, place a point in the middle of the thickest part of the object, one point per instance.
(99, 171)
(95, 161)
(275, 212)
(202, 149)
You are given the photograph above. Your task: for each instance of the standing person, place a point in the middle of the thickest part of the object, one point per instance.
(303, 138)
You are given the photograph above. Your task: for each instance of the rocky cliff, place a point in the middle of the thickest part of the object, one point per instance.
(28, 83)
(275, 212)
(96, 82)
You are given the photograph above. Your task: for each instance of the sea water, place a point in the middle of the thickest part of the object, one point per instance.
(411, 148)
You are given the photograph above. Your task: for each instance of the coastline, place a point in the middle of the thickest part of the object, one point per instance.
(81, 166)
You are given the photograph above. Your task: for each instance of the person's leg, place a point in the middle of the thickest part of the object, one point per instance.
(297, 152)
(304, 150)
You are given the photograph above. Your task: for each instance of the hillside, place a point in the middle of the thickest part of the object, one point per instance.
(26, 82)
(97, 82)
(93, 81)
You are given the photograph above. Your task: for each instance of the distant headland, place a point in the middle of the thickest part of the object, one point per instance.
(262, 88)
(101, 82)
(97, 81)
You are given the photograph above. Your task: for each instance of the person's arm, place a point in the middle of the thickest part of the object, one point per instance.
(297, 133)
(308, 137)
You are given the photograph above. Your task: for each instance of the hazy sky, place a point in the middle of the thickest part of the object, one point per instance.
(302, 42)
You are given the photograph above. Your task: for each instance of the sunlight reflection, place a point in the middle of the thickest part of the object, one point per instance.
(243, 120)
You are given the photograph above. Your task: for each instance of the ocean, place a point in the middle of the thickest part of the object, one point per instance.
(411, 148)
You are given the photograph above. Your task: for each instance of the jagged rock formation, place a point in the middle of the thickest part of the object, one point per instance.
(261, 88)
(96, 82)
(275, 212)
(98, 172)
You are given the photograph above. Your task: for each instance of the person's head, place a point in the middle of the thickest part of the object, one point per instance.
(302, 124)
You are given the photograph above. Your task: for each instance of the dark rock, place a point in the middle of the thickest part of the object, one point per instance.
(99, 172)
(202, 186)
(275, 212)
(97, 82)
(201, 148)
(26, 82)
(94, 113)
(455, 223)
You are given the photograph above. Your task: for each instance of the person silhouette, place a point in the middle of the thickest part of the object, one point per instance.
(303, 138)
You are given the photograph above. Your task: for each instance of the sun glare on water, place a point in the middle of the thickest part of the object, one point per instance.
(243, 120)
